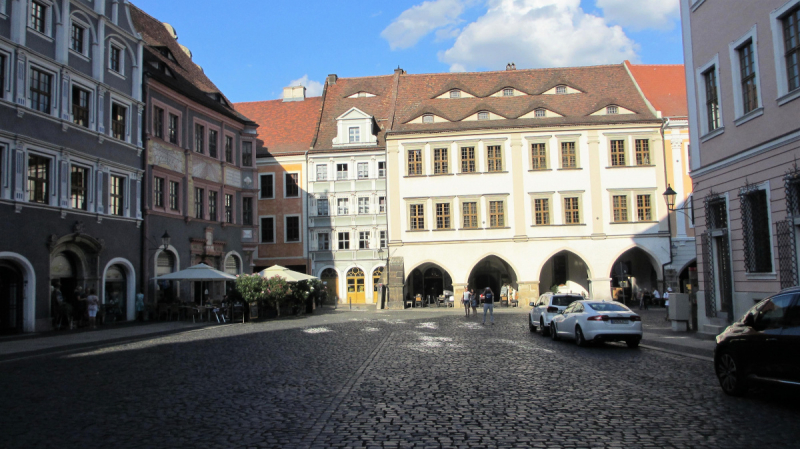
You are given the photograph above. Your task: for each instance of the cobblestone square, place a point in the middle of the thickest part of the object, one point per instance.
(386, 379)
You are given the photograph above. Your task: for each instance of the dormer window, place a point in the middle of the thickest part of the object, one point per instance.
(508, 92)
(539, 113)
(355, 134)
(455, 93)
(561, 89)
(427, 118)
(483, 115)
(362, 95)
(612, 110)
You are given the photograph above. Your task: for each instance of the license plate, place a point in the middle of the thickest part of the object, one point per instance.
(620, 321)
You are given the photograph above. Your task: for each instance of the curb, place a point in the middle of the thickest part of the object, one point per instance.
(682, 354)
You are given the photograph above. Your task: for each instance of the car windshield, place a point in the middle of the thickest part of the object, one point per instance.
(607, 307)
(564, 300)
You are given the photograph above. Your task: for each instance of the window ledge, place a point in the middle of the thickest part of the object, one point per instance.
(548, 225)
(622, 166)
(788, 97)
(117, 74)
(710, 135)
(470, 229)
(469, 173)
(80, 55)
(39, 33)
(415, 176)
(495, 172)
(569, 169)
(442, 174)
(497, 227)
(417, 230)
(443, 229)
(762, 276)
(540, 169)
(757, 112)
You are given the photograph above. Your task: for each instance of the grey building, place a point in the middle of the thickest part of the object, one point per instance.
(200, 171)
(70, 157)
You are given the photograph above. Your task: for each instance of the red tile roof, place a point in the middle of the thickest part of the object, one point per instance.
(284, 126)
(664, 86)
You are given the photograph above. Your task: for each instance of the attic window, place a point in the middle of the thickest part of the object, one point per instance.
(612, 110)
(483, 115)
(362, 95)
(508, 92)
(455, 93)
(167, 54)
(561, 89)
(427, 118)
(538, 113)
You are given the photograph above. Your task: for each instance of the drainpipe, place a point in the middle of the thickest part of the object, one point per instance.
(145, 282)
(669, 221)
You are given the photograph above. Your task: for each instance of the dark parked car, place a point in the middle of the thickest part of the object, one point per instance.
(763, 346)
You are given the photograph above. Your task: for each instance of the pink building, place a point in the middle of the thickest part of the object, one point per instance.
(742, 63)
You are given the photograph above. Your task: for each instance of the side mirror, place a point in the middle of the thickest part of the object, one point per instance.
(531, 304)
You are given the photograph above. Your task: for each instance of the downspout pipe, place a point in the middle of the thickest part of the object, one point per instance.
(669, 220)
(145, 282)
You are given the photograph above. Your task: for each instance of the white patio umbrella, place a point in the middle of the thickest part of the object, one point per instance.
(285, 273)
(200, 273)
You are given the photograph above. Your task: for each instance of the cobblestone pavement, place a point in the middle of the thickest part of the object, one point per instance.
(386, 379)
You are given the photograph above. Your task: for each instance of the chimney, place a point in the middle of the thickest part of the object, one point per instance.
(511, 66)
(294, 93)
(331, 79)
(399, 71)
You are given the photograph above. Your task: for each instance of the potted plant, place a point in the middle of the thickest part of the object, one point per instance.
(276, 292)
(251, 290)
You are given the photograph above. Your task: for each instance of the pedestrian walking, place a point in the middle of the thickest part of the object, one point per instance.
(656, 297)
(92, 304)
(474, 299)
(467, 301)
(666, 302)
(488, 304)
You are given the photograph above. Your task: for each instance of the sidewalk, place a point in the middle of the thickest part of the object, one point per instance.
(658, 334)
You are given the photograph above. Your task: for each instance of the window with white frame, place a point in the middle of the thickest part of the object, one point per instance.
(417, 216)
(508, 92)
(80, 106)
(354, 134)
(644, 208)
(344, 240)
(383, 239)
(342, 206)
(381, 169)
(791, 33)
(293, 229)
(341, 171)
(38, 178)
(363, 205)
(173, 128)
(228, 149)
(229, 207)
(292, 185)
(79, 187)
(381, 204)
(572, 211)
(116, 190)
(115, 58)
(323, 241)
(39, 16)
(620, 208)
(611, 110)
(199, 138)
(267, 186)
(322, 172)
(77, 38)
(119, 120)
(756, 237)
(541, 211)
(363, 170)
(561, 89)
(748, 77)
(712, 101)
(363, 240)
(427, 118)
(247, 154)
(268, 230)
(786, 45)
(539, 113)
(708, 98)
(41, 90)
(455, 93)
(483, 115)
(322, 207)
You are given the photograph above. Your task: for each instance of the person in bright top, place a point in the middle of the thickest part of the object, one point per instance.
(488, 304)
(666, 302)
(466, 299)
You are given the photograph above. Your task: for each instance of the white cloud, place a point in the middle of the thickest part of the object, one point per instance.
(641, 14)
(313, 88)
(416, 22)
(538, 33)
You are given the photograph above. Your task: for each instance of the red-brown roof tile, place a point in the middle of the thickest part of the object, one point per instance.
(664, 86)
(284, 126)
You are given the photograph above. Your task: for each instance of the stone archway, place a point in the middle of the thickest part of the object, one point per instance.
(428, 280)
(492, 272)
(633, 270)
(330, 279)
(562, 271)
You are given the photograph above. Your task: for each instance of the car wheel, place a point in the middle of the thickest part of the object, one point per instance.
(542, 328)
(553, 331)
(579, 340)
(632, 343)
(531, 327)
(730, 375)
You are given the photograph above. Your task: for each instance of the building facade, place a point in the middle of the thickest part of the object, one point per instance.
(743, 82)
(200, 184)
(534, 178)
(70, 158)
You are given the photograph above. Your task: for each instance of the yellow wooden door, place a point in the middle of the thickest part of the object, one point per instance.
(355, 286)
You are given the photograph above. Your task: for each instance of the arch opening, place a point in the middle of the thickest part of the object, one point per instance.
(429, 281)
(12, 285)
(633, 270)
(330, 279)
(565, 271)
(492, 272)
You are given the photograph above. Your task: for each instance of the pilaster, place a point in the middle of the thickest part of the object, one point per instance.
(600, 288)
(595, 219)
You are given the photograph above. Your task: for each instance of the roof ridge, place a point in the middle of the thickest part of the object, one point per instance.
(516, 70)
(657, 65)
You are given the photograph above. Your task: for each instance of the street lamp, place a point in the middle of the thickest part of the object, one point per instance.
(669, 197)
(165, 240)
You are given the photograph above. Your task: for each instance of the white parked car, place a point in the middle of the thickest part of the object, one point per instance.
(546, 307)
(587, 321)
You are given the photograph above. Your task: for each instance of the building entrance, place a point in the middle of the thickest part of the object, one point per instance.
(633, 271)
(492, 272)
(11, 287)
(330, 278)
(356, 292)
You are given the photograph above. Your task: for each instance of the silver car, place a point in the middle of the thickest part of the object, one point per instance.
(546, 308)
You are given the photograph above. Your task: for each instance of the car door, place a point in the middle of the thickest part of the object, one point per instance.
(575, 310)
(789, 344)
(561, 325)
(763, 344)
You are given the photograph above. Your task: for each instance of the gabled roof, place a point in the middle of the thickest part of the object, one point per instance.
(284, 126)
(188, 78)
(337, 103)
(664, 86)
(599, 86)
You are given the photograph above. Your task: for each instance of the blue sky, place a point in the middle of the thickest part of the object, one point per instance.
(251, 49)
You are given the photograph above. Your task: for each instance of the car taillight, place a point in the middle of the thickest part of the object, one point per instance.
(598, 318)
(636, 318)
(552, 310)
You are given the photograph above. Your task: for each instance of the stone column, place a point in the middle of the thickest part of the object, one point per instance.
(527, 291)
(458, 293)
(600, 288)
(396, 282)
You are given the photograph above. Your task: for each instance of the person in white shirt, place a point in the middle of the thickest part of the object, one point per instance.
(666, 302)
(656, 297)
(467, 301)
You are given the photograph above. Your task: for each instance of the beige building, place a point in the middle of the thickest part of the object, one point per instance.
(529, 177)
(743, 82)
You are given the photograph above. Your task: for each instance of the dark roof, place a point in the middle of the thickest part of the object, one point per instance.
(600, 86)
(284, 126)
(188, 78)
(337, 103)
(664, 86)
